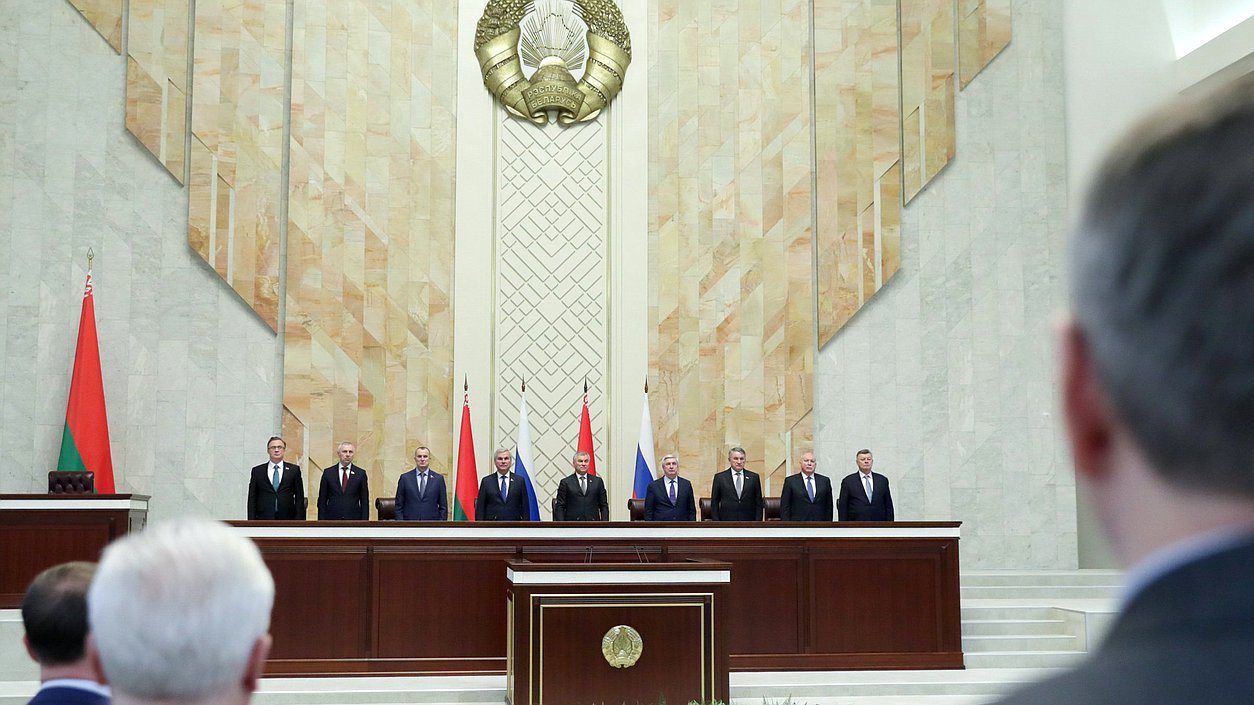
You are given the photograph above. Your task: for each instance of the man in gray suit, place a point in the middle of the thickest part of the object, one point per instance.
(1158, 399)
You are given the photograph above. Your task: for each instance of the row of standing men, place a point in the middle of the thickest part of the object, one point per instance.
(276, 491)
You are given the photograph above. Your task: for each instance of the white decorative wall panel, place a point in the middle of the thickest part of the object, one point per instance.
(551, 303)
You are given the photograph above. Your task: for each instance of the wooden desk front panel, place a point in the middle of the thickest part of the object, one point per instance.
(415, 605)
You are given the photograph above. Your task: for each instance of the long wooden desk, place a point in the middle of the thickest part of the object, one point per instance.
(411, 597)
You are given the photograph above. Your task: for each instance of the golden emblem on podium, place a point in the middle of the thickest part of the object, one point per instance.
(554, 38)
(622, 646)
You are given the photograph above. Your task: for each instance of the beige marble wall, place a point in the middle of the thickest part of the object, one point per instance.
(239, 108)
(983, 31)
(730, 231)
(928, 31)
(156, 79)
(189, 372)
(368, 335)
(105, 16)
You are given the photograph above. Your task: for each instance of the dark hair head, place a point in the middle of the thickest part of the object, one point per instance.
(1163, 287)
(54, 613)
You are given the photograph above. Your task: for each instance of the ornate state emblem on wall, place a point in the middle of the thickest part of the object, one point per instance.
(555, 39)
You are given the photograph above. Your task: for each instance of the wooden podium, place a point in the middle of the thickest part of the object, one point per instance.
(568, 622)
(38, 531)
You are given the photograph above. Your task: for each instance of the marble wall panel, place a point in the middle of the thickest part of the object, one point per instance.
(927, 90)
(189, 372)
(949, 374)
(238, 111)
(983, 31)
(731, 338)
(105, 16)
(156, 79)
(857, 154)
(368, 333)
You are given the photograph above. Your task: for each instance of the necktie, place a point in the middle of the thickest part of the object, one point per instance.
(673, 497)
(866, 482)
(344, 479)
(583, 484)
(810, 486)
(277, 475)
(739, 484)
(422, 483)
(504, 486)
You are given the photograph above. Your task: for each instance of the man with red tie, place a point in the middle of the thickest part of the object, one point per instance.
(345, 492)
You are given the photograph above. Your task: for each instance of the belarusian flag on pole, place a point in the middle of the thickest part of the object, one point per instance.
(585, 433)
(85, 442)
(467, 487)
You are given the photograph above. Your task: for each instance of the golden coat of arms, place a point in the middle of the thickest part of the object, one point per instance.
(621, 646)
(554, 38)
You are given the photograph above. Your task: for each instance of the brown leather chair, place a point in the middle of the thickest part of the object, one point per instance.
(635, 509)
(386, 507)
(71, 482)
(772, 508)
(706, 509)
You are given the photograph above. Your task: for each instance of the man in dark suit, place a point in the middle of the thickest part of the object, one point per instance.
(420, 493)
(669, 498)
(502, 495)
(344, 492)
(54, 615)
(807, 496)
(864, 495)
(581, 495)
(1156, 367)
(736, 494)
(276, 489)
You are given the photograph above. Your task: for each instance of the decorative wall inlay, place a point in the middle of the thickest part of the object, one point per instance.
(368, 335)
(927, 90)
(551, 297)
(858, 170)
(105, 16)
(983, 31)
(238, 108)
(731, 308)
(156, 79)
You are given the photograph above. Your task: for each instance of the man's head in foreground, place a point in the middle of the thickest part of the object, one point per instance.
(1158, 357)
(180, 613)
(54, 615)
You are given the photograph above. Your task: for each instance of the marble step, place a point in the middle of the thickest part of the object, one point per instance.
(1021, 659)
(1055, 592)
(1021, 642)
(1042, 577)
(975, 610)
(809, 687)
(1003, 627)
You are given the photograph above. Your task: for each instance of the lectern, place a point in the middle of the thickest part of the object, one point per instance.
(630, 633)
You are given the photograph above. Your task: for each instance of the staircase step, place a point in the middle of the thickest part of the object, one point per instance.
(972, 610)
(1022, 659)
(997, 627)
(1020, 642)
(1042, 577)
(1018, 592)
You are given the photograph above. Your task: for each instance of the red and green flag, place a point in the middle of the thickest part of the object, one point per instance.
(585, 433)
(85, 442)
(467, 487)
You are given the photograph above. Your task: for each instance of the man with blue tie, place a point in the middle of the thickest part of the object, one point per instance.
(420, 494)
(669, 498)
(864, 495)
(276, 489)
(807, 496)
(502, 495)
